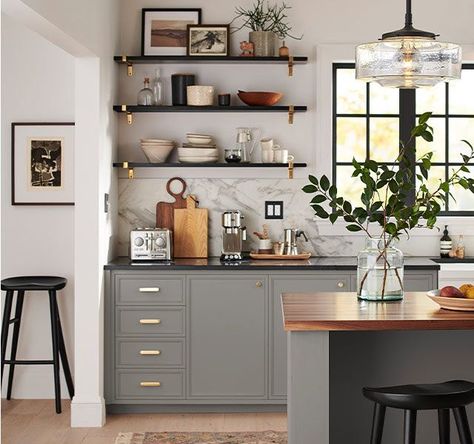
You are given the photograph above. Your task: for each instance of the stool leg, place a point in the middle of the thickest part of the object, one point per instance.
(444, 429)
(377, 424)
(16, 333)
(54, 334)
(63, 355)
(410, 427)
(463, 425)
(5, 324)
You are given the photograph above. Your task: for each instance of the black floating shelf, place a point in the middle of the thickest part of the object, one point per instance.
(205, 165)
(206, 109)
(206, 59)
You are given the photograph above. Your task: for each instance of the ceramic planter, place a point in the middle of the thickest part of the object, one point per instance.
(264, 43)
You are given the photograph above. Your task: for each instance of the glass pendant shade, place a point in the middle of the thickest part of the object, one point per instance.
(408, 62)
(408, 58)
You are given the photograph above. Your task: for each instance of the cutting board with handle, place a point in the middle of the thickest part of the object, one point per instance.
(165, 210)
(190, 230)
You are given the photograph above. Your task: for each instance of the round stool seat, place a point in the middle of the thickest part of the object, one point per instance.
(34, 283)
(446, 395)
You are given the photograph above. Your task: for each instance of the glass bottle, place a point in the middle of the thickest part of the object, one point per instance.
(380, 271)
(460, 249)
(445, 244)
(157, 89)
(145, 95)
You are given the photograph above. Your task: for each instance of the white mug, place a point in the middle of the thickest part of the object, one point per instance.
(267, 144)
(267, 156)
(282, 156)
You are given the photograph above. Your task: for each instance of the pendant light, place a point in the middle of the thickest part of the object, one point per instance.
(408, 58)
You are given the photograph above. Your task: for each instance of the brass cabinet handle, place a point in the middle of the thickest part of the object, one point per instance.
(259, 284)
(340, 284)
(150, 352)
(150, 321)
(149, 289)
(150, 384)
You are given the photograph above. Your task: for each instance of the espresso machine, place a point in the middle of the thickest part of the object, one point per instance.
(233, 234)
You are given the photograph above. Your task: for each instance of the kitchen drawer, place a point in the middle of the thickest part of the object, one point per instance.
(143, 290)
(143, 321)
(150, 353)
(162, 384)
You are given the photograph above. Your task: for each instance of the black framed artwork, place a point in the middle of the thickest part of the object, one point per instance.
(208, 40)
(164, 30)
(42, 163)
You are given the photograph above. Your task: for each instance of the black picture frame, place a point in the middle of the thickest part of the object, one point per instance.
(146, 11)
(225, 27)
(14, 139)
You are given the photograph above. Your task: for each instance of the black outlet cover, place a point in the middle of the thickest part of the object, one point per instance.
(273, 209)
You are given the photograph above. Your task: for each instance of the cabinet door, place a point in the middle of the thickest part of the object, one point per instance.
(227, 337)
(296, 284)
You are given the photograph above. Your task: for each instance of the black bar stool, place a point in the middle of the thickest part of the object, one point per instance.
(20, 284)
(454, 395)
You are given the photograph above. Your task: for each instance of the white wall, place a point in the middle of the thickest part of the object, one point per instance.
(36, 240)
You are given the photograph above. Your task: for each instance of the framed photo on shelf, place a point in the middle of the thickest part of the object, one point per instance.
(164, 30)
(208, 40)
(42, 163)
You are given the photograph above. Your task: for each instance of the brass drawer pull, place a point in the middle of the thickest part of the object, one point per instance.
(150, 352)
(150, 321)
(258, 284)
(340, 284)
(150, 384)
(149, 290)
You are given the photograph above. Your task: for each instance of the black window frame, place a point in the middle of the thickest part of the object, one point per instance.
(407, 119)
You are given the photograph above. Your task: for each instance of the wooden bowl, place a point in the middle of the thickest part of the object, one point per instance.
(259, 98)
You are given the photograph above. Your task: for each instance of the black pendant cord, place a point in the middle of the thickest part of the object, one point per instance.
(408, 16)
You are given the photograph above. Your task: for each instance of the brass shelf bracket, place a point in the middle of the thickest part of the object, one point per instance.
(291, 169)
(131, 172)
(129, 66)
(291, 64)
(129, 114)
(291, 114)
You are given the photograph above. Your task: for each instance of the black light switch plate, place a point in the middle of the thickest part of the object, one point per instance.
(273, 209)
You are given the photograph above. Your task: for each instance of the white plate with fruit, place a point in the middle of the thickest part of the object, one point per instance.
(453, 298)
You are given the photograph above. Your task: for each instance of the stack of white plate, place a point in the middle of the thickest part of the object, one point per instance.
(157, 150)
(200, 148)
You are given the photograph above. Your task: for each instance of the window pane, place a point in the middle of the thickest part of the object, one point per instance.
(384, 100)
(464, 198)
(384, 139)
(431, 99)
(436, 174)
(439, 143)
(351, 93)
(460, 128)
(349, 187)
(461, 93)
(351, 138)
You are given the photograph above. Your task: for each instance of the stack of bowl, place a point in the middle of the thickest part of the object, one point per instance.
(200, 148)
(157, 150)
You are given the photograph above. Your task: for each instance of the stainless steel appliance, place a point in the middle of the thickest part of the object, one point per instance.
(151, 244)
(233, 233)
(290, 238)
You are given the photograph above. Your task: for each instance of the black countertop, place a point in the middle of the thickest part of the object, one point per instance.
(213, 263)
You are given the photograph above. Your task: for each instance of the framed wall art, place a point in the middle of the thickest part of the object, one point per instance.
(42, 163)
(208, 40)
(164, 30)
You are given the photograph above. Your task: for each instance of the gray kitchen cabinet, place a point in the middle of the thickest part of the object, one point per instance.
(227, 337)
(305, 283)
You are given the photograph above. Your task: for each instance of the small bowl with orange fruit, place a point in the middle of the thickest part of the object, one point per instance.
(453, 298)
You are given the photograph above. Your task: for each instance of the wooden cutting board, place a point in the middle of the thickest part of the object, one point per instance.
(190, 231)
(165, 210)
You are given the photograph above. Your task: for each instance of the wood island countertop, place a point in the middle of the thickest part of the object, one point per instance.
(344, 312)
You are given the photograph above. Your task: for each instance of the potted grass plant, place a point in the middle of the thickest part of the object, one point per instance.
(390, 207)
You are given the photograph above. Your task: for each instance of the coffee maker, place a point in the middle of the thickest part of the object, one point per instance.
(233, 234)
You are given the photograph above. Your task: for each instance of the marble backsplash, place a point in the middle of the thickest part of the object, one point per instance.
(138, 197)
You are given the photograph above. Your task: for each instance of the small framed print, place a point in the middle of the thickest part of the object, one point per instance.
(43, 163)
(208, 40)
(164, 30)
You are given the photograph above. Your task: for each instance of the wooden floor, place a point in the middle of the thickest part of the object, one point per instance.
(35, 422)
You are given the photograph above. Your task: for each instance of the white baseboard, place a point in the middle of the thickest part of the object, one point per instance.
(87, 412)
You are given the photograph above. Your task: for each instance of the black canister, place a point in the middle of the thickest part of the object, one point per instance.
(179, 83)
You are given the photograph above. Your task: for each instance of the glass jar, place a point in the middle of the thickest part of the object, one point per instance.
(380, 271)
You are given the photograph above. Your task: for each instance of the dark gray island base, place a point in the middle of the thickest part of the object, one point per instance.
(199, 335)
